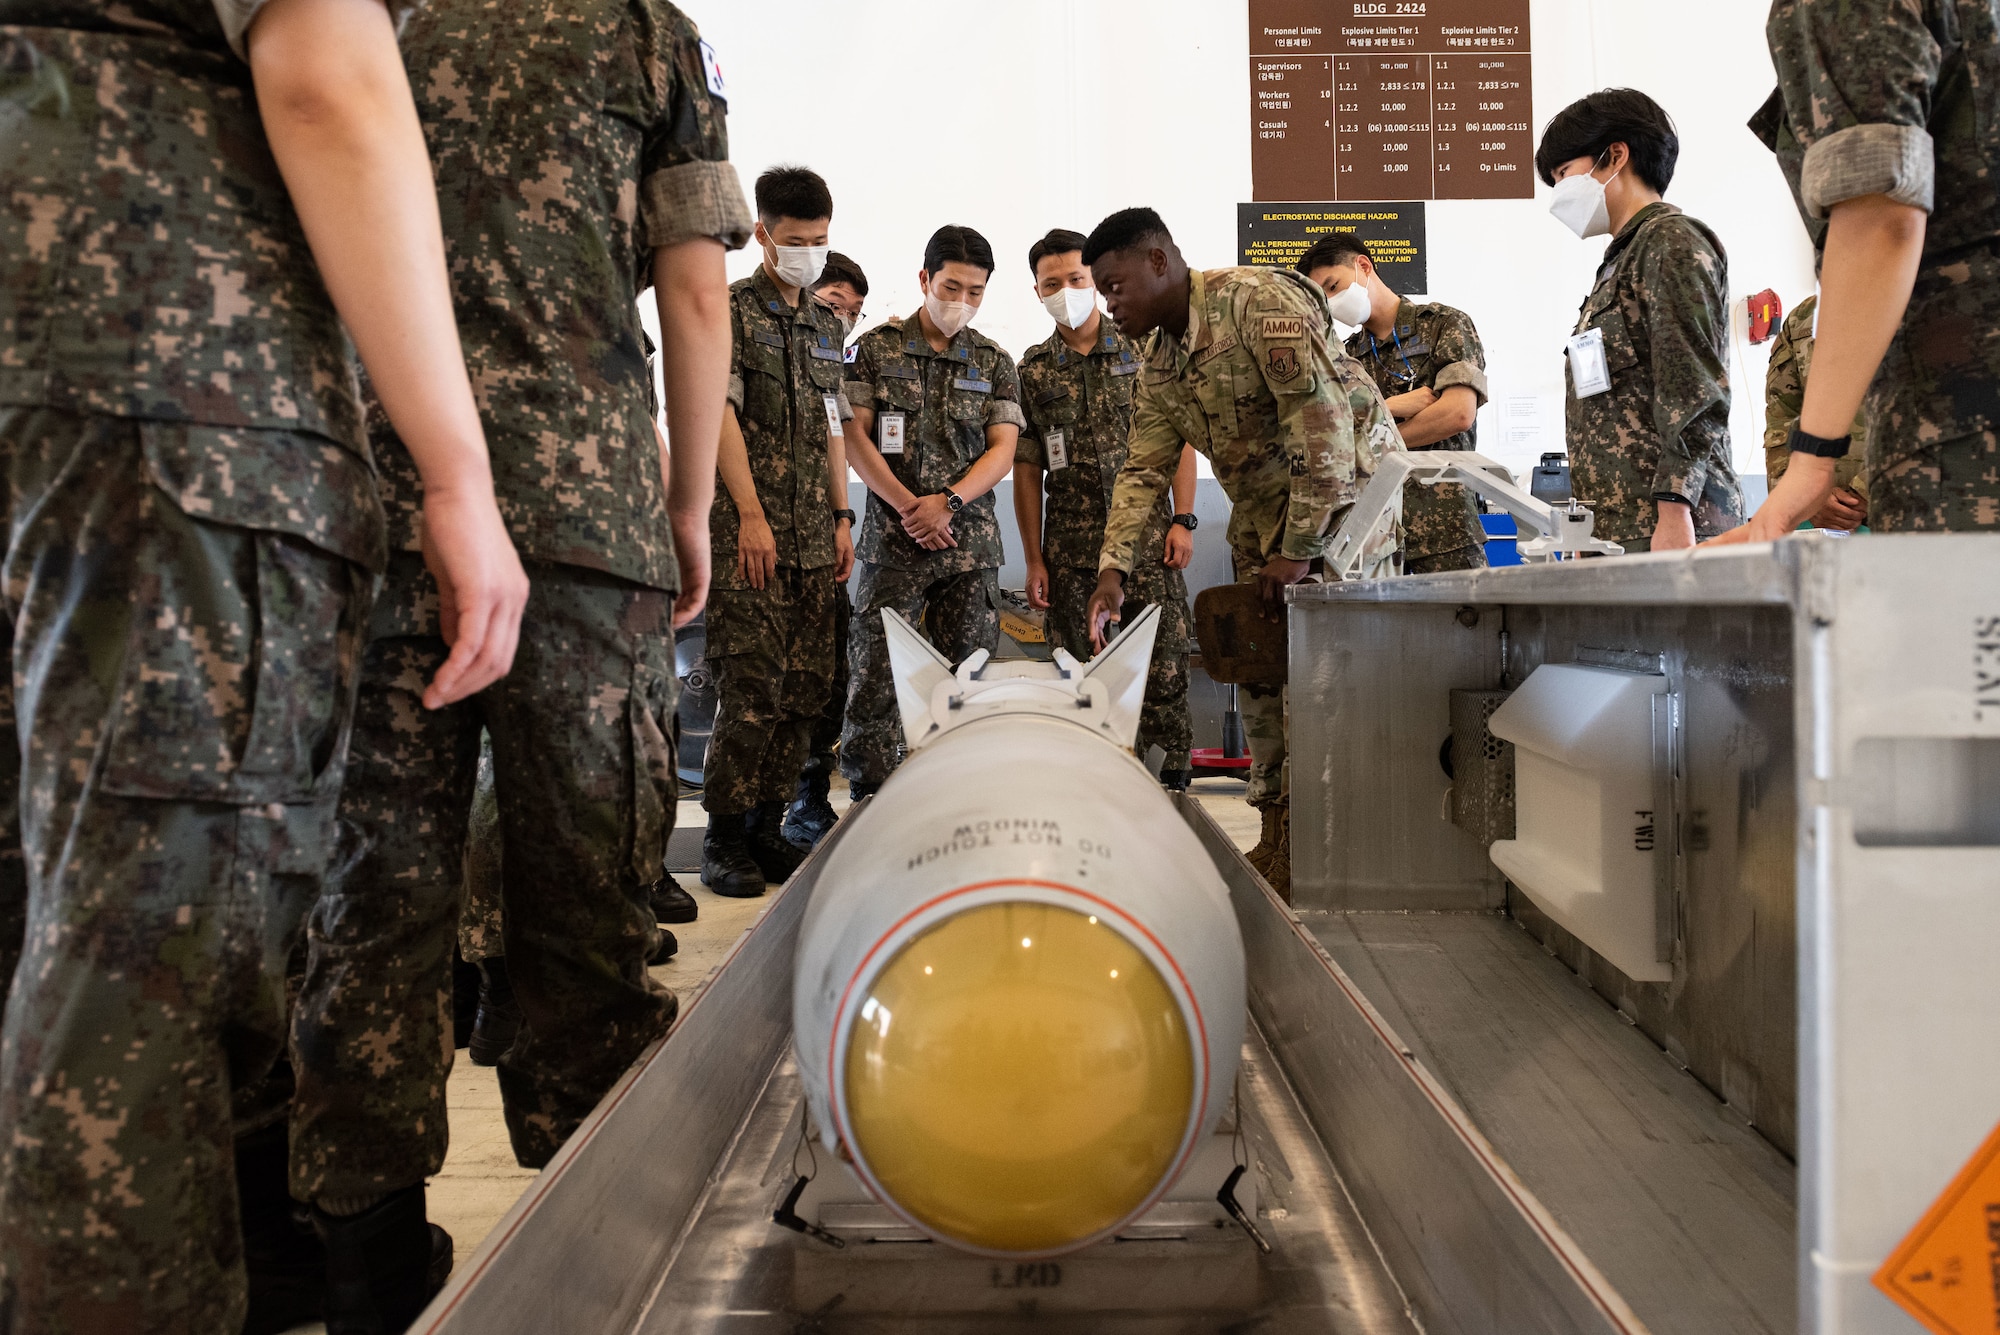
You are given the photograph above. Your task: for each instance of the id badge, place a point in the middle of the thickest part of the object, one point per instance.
(1589, 373)
(833, 430)
(1058, 446)
(893, 426)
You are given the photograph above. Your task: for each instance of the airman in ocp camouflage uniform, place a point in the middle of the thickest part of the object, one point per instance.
(1903, 100)
(573, 144)
(1292, 425)
(1434, 347)
(192, 531)
(1083, 404)
(944, 415)
(1661, 432)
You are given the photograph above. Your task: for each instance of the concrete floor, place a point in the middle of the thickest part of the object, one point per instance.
(481, 1181)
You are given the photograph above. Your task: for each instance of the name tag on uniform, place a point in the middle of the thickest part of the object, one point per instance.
(1589, 373)
(769, 340)
(893, 427)
(826, 354)
(832, 416)
(1127, 368)
(1058, 447)
(976, 386)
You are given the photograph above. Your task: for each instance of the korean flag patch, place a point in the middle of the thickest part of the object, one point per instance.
(712, 67)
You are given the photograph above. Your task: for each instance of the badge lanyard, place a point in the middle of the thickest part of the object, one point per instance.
(1375, 349)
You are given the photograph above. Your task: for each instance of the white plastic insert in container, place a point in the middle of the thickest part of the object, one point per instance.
(1586, 831)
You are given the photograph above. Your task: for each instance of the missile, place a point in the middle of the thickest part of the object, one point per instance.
(1019, 996)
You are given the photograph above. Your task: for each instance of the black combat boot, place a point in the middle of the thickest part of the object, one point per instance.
(1174, 780)
(811, 817)
(861, 791)
(281, 1253)
(727, 866)
(383, 1265)
(671, 903)
(499, 1022)
(670, 946)
(776, 856)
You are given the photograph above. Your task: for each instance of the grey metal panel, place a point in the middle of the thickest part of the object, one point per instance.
(1473, 1249)
(1714, 575)
(1371, 692)
(583, 1247)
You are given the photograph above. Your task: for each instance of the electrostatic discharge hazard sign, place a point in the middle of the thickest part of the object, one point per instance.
(1279, 235)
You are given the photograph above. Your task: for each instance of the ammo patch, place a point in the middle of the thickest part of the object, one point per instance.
(1284, 326)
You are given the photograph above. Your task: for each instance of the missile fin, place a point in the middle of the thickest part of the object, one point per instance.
(1123, 668)
(918, 668)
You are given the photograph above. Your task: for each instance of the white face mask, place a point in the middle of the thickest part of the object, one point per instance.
(800, 266)
(1351, 305)
(1579, 205)
(949, 316)
(1073, 306)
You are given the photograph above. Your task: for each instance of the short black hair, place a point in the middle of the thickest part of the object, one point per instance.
(1335, 250)
(957, 245)
(1061, 241)
(1124, 230)
(1626, 116)
(840, 269)
(795, 193)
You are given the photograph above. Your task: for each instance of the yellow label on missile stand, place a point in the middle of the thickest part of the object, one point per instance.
(1020, 1078)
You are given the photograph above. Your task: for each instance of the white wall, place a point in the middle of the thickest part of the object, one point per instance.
(1021, 115)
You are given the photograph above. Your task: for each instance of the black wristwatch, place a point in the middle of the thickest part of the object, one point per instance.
(1188, 522)
(1804, 442)
(953, 500)
(839, 515)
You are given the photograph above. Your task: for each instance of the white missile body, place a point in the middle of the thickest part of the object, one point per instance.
(1000, 1100)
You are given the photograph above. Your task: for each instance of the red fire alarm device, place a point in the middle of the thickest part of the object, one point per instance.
(1765, 312)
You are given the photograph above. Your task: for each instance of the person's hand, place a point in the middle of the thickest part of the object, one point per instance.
(1038, 585)
(1844, 510)
(691, 553)
(927, 520)
(481, 591)
(1279, 574)
(1180, 548)
(1675, 531)
(843, 551)
(1105, 601)
(756, 550)
(1405, 406)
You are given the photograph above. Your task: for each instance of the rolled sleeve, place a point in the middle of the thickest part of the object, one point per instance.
(1006, 412)
(237, 15)
(695, 199)
(1467, 375)
(845, 406)
(1150, 462)
(858, 391)
(1899, 161)
(736, 392)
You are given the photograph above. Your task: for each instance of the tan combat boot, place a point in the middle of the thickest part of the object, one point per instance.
(1267, 842)
(1279, 873)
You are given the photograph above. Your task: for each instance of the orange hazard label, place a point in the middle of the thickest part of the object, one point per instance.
(1947, 1272)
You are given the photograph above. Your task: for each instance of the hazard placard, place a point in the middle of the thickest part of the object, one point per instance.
(1947, 1272)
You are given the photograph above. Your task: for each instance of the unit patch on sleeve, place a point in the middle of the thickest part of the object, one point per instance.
(1283, 364)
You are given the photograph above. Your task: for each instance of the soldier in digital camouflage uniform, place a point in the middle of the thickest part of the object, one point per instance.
(1079, 410)
(1238, 364)
(1784, 400)
(1427, 361)
(192, 540)
(1659, 435)
(772, 614)
(558, 209)
(1896, 103)
(934, 430)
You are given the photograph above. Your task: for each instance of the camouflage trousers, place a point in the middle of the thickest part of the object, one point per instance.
(1163, 719)
(1950, 486)
(826, 728)
(1263, 709)
(185, 690)
(583, 773)
(479, 916)
(772, 651)
(1465, 558)
(958, 613)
